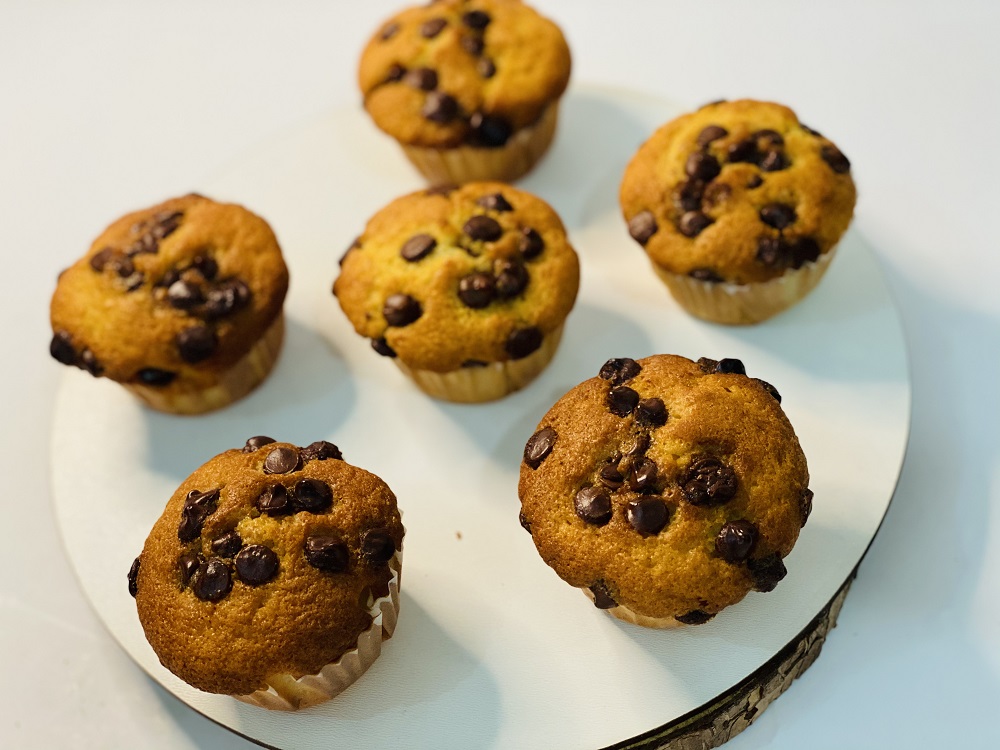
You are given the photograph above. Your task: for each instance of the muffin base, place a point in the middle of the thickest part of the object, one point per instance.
(469, 163)
(235, 383)
(744, 304)
(474, 385)
(287, 693)
(624, 613)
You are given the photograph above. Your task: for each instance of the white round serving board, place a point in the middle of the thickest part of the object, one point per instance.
(492, 649)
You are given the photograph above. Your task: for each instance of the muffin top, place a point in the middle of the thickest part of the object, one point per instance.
(170, 296)
(667, 486)
(265, 562)
(738, 192)
(446, 278)
(457, 72)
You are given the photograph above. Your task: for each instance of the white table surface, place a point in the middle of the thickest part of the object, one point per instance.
(109, 106)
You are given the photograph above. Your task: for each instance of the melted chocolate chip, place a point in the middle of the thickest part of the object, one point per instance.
(523, 520)
(101, 259)
(477, 290)
(166, 223)
(707, 365)
(197, 507)
(488, 131)
(693, 223)
(133, 576)
(754, 182)
(476, 19)
(539, 446)
(212, 580)
(188, 564)
(486, 68)
(736, 540)
(184, 295)
(610, 477)
(642, 226)
(708, 481)
(155, 377)
(256, 564)
(281, 461)
(432, 27)
(694, 617)
(530, 243)
(196, 344)
(602, 597)
(274, 501)
(593, 505)
(388, 31)
(774, 161)
(618, 370)
(730, 366)
(321, 450)
(835, 159)
(702, 166)
(711, 133)
(768, 138)
(227, 298)
(382, 347)
(147, 243)
(511, 277)
(472, 44)
(637, 445)
(440, 107)
(778, 215)
(622, 400)
(771, 251)
(417, 247)
(647, 515)
(769, 388)
(61, 348)
(651, 412)
(767, 572)
(484, 228)
(394, 74)
(687, 195)
(206, 266)
(327, 553)
(401, 310)
(804, 250)
(742, 151)
(257, 442)
(424, 79)
(716, 194)
(227, 545)
(805, 505)
(643, 476)
(522, 342)
(313, 496)
(494, 202)
(377, 547)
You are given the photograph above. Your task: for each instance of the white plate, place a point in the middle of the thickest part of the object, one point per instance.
(492, 649)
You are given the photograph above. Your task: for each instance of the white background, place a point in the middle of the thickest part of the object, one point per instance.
(109, 106)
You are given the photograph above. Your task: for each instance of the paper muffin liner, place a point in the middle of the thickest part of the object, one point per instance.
(235, 383)
(624, 613)
(473, 385)
(287, 693)
(744, 304)
(443, 166)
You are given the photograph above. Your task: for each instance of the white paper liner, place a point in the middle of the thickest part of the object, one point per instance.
(287, 693)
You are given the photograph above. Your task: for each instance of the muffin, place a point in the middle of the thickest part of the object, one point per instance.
(666, 489)
(739, 207)
(469, 90)
(466, 289)
(181, 303)
(272, 575)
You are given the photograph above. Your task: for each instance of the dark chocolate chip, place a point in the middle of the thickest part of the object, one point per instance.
(274, 501)
(197, 507)
(769, 388)
(212, 580)
(803, 250)
(742, 151)
(494, 202)
(424, 79)
(687, 195)
(432, 27)
(313, 496)
(227, 545)
(647, 515)
(196, 344)
(523, 520)
(417, 247)
(188, 563)
(530, 243)
(637, 445)
(147, 243)
(401, 310)
(774, 161)
(754, 182)
(489, 131)
(440, 107)
(226, 298)
(707, 275)
(168, 278)
(388, 31)
(702, 166)
(327, 553)
(321, 450)
(593, 505)
(474, 363)
(206, 266)
(484, 228)
(486, 67)
(778, 215)
(377, 547)
(476, 290)
(642, 226)
(383, 348)
(395, 73)
(708, 481)
(523, 341)
(166, 223)
(133, 575)
(281, 461)
(89, 363)
(735, 540)
(134, 281)
(643, 476)
(539, 446)
(694, 617)
(256, 564)
(511, 277)
(476, 19)
(622, 400)
(602, 597)
(716, 194)
(610, 477)
(771, 251)
(61, 348)
(729, 366)
(472, 44)
(618, 370)
(707, 365)
(767, 572)
(156, 377)
(768, 138)
(184, 295)
(835, 158)
(805, 505)
(693, 223)
(102, 258)
(257, 442)
(711, 133)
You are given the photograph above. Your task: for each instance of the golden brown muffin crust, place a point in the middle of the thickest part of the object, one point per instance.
(508, 71)
(677, 571)
(188, 270)
(294, 623)
(532, 271)
(709, 194)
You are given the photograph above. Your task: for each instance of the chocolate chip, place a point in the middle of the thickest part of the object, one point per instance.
(523, 341)
(778, 215)
(474, 363)
(708, 481)
(767, 572)
(693, 223)
(476, 19)
(651, 412)
(593, 505)
(188, 564)
(539, 446)
(212, 580)
(835, 158)
(226, 298)
(803, 250)
(61, 348)
(134, 281)
(774, 161)
(643, 475)
(89, 363)
(197, 507)
(637, 445)
(736, 540)
(769, 388)
(313, 496)
(618, 370)
(388, 31)
(442, 190)
(256, 564)
(622, 400)
(168, 278)
(523, 520)
(133, 575)
(694, 617)
(484, 228)
(486, 68)
(805, 505)
(511, 277)
(383, 348)
(730, 366)
(687, 195)
(432, 27)
(196, 344)
(647, 515)
(768, 138)
(147, 243)
(417, 247)
(476, 290)
(155, 377)
(440, 107)
(274, 501)
(707, 365)
(327, 553)
(183, 295)
(424, 79)
(754, 182)
(321, 450)
(711, 133)
(494, 202)
(742, 151)
(166, 223)
(377, 547)
(257, 442)
(281, 461)
(401, 310)
(530, 243)
(771, 252)
(472, 44)
(227, 545)
(702, 166)
(642, 226)
(102, 258)
(610, 477)
(394, 74)
(489, 131)
(206, 266)
(602, 597)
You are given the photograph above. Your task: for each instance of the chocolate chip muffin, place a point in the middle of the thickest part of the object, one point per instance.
(470, 90)
(466, 289)
(181, 303)
(739, 207)
(666, 489)
(272, 575)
